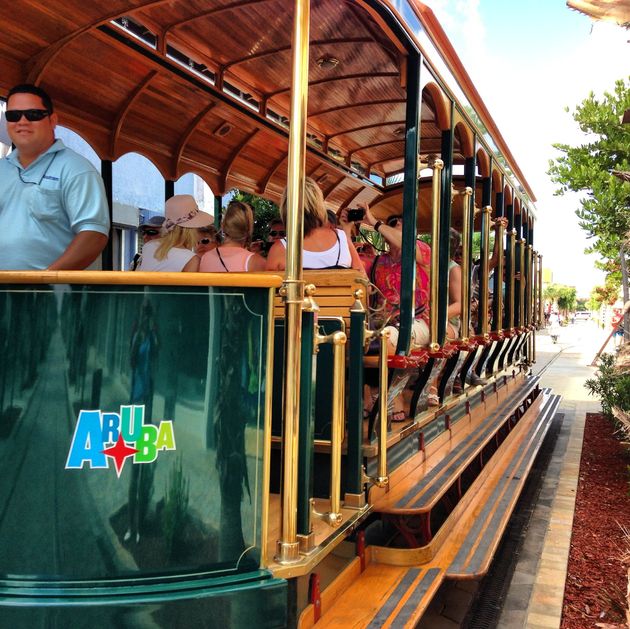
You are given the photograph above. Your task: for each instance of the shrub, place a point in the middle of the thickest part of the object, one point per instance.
(610, 385)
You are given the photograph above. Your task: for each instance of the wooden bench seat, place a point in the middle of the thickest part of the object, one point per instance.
(397, 584)
(423, 487)
(477, 549)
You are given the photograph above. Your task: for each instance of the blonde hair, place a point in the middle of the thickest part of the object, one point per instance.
(238, 222)
(314, 207)
(182, 237)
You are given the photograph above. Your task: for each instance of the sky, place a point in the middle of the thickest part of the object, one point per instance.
(529, 61)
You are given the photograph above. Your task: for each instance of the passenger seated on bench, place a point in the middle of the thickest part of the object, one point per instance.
(454, 287)
(174, 250)
(232, 254)
(324, 248)
(385, 273)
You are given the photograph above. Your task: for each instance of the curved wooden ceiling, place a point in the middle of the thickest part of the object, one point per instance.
(123, 95)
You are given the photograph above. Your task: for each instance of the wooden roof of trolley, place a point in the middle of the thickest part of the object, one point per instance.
(203, 86)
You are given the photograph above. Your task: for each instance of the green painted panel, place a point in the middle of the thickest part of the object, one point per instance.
(176, 373)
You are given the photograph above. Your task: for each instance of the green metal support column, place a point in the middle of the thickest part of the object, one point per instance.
(218, 210)
(410, 202)
(497, 285)
(518, 305)
(509, 271)
(486, 195)
(306, 438)
(470, 170)
(169, 189)
(107, 257)
(445, 226)
(354, 463)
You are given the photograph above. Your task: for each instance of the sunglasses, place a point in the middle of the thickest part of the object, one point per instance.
(150, 232)
(32, 115)
(204, 241)
(274, 233)
(392, 222)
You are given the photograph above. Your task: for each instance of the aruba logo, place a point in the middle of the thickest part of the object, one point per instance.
(95, 430)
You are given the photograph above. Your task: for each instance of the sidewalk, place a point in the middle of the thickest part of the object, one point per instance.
(536, 591)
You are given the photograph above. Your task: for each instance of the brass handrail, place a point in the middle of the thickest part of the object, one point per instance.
(499, 274)
(437, 165)
(521, 285)
(465, 266)
(511, 278)
(381, 479)
(338, 341)
(483, 284)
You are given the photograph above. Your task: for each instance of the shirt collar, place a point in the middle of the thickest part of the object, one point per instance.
(55, 147)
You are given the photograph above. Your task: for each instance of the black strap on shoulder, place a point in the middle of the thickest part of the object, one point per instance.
(221, 259)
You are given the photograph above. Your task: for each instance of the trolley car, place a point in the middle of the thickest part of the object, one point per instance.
(190, 450)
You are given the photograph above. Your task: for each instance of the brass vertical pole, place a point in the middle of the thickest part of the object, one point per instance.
(530, 285)
(521, 286)
(466, 222)
(288, 545)
(437, 165)
(498, 326)
(511, 280)
(541, 305)
(484, 284)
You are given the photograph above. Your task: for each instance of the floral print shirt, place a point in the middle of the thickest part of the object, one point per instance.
(387, 274)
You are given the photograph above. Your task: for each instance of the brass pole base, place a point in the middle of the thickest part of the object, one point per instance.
(287, 552)
(306, 542)
(354, 501)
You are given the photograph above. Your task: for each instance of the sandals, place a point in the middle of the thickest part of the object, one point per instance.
(397, 416)
(432, 398)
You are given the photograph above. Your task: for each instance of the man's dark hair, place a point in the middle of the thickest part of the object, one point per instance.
(28, 88)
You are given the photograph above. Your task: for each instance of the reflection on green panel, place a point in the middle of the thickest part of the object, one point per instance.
(131, 427)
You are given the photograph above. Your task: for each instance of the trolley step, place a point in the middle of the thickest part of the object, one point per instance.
(398, 584)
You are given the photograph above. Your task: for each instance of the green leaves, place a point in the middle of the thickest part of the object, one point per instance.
(604, 211)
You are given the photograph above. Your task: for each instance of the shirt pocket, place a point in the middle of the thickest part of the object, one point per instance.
(46, 204)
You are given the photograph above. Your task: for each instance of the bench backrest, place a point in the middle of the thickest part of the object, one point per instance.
(334, 294)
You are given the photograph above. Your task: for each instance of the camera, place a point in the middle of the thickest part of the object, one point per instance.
(356, 214)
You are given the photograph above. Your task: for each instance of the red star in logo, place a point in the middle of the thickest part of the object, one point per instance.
(119, 452)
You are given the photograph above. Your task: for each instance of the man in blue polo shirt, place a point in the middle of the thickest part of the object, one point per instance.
(53, 208)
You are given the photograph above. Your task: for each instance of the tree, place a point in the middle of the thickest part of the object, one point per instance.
(264, 212)
(590, 168)
(563, 296)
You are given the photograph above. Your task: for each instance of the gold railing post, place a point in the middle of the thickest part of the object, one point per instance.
(511, 279)
(381, 479)
(499, 273)
(465, 313)
(287, 550)
(437, 165)
(541, 304)
(338, 341)
(530, 285)
(521, 285)
(484, 284)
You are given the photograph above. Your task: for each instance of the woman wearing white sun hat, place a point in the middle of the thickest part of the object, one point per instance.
(174, 250)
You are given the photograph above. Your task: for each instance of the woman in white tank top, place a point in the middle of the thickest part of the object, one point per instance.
(324, 248)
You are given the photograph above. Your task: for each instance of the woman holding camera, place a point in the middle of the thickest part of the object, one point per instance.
(323, 247)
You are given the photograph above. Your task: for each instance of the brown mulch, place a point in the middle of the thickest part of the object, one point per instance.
(595, 592)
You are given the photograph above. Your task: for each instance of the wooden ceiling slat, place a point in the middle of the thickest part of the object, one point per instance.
(233, 157)
(332, 79)
(241, 4)
(192, 127)
(372, 103)
(274, 169)
(365, 128)
(39, 63)
(124, 110)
